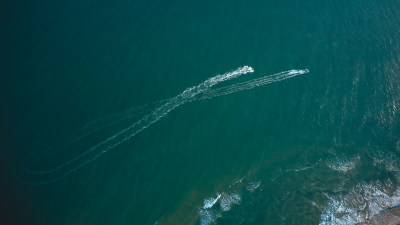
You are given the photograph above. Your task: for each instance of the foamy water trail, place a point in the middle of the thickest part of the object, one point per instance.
(103, 123)
(250, 84)
(202, 91)
(99, 149)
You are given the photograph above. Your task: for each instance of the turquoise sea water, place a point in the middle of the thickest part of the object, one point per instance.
(317, 148)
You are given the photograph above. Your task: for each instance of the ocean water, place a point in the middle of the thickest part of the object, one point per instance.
(138, 112)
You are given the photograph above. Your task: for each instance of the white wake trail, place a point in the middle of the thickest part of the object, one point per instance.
(96, 151)
(250, 84)
(202, 91)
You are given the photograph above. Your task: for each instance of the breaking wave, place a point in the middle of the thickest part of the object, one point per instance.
(360, 204)
(210, 211)
(366, 199)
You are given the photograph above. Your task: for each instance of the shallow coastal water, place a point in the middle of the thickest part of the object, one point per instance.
(318, 148)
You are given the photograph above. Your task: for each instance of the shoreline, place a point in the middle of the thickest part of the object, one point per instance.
(389, 216)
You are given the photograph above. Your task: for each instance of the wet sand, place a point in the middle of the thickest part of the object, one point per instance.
(387, 217)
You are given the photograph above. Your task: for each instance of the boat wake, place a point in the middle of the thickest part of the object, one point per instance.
(29, 174)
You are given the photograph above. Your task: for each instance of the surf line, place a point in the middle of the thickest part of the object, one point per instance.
(202, 91)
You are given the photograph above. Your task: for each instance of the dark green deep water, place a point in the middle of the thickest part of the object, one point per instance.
(321, 148)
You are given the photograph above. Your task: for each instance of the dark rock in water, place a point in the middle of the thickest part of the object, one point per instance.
(398, 145)
(387, 217)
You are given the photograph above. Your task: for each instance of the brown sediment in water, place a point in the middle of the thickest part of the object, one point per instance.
(187, 211)
(387, 217)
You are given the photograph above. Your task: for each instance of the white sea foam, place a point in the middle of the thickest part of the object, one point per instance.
(341, 163)
(228, 200)
(360, 204)
(252, 186)
(209, 213)
(208, 203)
(365, 200)
(208, 216)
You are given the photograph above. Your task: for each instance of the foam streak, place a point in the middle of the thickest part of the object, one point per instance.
(96, 151)
(202, 91)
